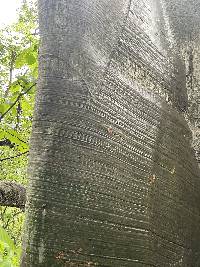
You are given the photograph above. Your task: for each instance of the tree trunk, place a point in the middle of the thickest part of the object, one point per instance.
(113, 177)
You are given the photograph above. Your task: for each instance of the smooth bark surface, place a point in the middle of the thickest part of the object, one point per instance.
(114, 181)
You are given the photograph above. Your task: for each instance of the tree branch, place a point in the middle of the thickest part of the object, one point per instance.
(16, 101)
(12, 194)
(6, 142)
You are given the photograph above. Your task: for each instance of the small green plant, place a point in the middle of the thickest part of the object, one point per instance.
(9, 252)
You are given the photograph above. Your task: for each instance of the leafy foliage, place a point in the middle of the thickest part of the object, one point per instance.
(18, 77)
(9, 252)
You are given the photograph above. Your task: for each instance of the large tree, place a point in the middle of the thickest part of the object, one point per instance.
(113, 178)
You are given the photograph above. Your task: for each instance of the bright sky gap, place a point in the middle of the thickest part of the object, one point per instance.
(8, 11)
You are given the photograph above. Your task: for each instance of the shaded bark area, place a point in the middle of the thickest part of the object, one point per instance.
(12, 194)
(113, 177)
(184, 21)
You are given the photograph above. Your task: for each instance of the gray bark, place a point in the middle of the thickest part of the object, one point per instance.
(12, 194)
(113, 177)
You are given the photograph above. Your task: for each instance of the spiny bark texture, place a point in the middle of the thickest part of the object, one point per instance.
(12, 195)
(114, 181)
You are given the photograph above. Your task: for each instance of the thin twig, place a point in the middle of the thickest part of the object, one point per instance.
(15, 102)
(16, 156)
(13, 56)
(19, 110)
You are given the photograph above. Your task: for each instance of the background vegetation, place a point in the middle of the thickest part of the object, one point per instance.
(18, 78)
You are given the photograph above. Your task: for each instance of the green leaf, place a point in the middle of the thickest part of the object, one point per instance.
(3, 108)
(2, 135)
(18, 251)
(30, 59)
(15, 88)
(35, 48)
(20, 61)
(14, 112)
(26, 106)
(7, 263)
(23, 80)
(15, 138)
(4, 237)
(23, 148)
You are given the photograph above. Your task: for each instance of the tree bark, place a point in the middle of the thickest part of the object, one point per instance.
(113, 177)
(6, 142)
(12, 194)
